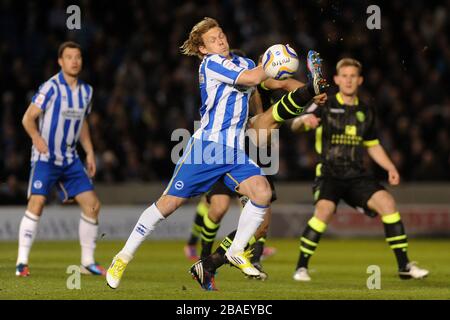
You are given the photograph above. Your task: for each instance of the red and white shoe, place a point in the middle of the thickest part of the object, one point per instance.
(190, 251)
(268, 252)
(22, 270)
(94, 269)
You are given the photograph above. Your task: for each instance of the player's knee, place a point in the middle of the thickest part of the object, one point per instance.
(262, 196)
(168, 204)
(261, 192)
(388, 205)
(324, 211)
(96, 207)
(383, 203)
(36, 204)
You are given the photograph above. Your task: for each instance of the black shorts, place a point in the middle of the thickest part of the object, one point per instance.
(355, 191)
(220, 188)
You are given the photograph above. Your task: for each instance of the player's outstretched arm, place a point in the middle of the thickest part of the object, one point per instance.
(29, 123)
(287, 85)
(252, 77)
(379, 155)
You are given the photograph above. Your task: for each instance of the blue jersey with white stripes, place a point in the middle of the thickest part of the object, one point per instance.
(224, 109)
(64, 111)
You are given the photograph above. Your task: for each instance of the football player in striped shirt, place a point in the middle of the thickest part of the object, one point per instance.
(267, 98)
(215, 151)
(60, 108)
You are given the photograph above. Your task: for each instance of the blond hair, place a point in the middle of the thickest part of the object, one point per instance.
(191, 46)
(349, 62)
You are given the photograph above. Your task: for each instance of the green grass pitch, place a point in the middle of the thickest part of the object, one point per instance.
(159, 271)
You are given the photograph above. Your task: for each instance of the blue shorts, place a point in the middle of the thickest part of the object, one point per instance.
(205, 162)
(70, 180)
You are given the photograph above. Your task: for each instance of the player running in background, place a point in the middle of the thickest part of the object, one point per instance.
(345, 128)
(61, 106)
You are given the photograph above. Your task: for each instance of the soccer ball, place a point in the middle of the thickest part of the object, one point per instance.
(280, 61)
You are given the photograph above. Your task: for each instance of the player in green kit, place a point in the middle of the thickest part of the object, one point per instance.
(345, 129)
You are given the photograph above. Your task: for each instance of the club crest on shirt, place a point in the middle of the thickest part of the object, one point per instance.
(37, 184)
(40, 99)
(179, 185)
(360, 116)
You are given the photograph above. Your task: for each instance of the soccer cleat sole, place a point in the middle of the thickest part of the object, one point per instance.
(110, 286)
(409, 277)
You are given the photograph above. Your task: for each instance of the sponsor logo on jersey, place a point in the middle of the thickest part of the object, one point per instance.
(73, 114)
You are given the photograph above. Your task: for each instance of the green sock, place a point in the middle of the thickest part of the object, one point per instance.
(258, 248)
(396, 237)
(309, 241)
(209, 232)
(202, 210)
(217, 259)
(291, 104)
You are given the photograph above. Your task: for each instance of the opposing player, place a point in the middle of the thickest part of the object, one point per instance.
(345, 128)
(190, 249)
(61, 106)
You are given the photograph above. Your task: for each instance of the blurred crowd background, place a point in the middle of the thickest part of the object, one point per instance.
(144, 88)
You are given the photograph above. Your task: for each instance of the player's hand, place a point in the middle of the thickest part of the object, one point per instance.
(310, 121)
(394, 177)
(40, 145)
(90, 165)
(320, 99)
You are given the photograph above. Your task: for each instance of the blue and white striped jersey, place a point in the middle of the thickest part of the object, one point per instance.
(224, 109)
(63, 114)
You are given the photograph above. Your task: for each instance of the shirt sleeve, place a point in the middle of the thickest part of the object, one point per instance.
(370, 137)
(251, 63)
(223, 70)
(45, 93)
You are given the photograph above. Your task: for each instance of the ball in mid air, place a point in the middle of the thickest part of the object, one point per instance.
(280, 61)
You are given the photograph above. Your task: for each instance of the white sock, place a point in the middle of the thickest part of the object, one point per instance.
(87, 232)
(251, 218)
(145, 225)
(27, 233)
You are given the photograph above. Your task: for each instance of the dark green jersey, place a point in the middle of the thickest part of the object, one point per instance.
(342, 137)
